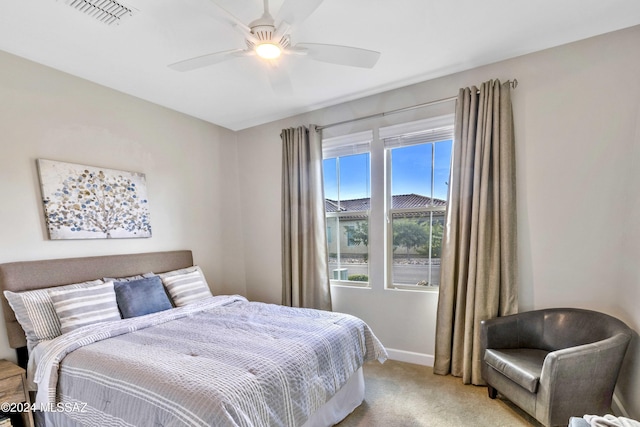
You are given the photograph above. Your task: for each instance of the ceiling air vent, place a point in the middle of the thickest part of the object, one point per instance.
(108, 12)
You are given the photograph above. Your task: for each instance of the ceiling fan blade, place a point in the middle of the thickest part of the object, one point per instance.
(281, 30)
(343, 55)
(209, 59)
(279, 79)
(296, 11)
(232, 18)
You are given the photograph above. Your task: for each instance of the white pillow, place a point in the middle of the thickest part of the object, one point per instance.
(80, 307)
(35, 313)
(186, 285)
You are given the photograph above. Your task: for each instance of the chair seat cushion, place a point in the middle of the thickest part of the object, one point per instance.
(521, 365)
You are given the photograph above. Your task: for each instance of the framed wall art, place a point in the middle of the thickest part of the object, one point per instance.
(86, 202)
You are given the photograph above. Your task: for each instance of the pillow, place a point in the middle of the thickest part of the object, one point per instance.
(127, 279)
(186, 286)
(140, 297)
(183, 271)
(35, 313)
(81, 307)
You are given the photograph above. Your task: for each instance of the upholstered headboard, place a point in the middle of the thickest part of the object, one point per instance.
(27, 275)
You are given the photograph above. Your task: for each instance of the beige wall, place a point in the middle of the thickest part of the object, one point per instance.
(190, 166)
(577, 121)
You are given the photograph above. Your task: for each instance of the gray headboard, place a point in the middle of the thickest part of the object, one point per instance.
(27, 275)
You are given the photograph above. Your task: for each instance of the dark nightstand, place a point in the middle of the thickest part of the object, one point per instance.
(13, 389)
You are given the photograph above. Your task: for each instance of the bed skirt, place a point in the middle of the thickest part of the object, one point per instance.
(348, 398)
(345, 401)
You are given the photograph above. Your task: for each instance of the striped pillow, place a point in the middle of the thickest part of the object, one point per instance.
(35, 313)
(186, 288)
(183, 271)
(81, 307)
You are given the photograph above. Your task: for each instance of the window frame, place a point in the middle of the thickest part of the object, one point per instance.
(378, 142)
(342, 146)
(430, 131)
(389, 284)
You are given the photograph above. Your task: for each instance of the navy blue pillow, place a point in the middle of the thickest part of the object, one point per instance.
(139, 297)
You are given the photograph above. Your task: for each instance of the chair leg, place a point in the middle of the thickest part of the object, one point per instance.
(493, 393)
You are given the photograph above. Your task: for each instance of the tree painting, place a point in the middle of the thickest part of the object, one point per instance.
(88, 202)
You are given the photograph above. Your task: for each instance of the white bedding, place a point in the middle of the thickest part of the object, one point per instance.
(223, 361)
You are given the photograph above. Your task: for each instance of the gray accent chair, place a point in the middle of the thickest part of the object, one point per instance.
(554, 363)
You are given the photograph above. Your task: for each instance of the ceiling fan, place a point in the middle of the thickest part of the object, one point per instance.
(269, 38)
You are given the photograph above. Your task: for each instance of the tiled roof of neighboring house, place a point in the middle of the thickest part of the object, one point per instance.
(347, 205)
(402, 201)
(408, 201)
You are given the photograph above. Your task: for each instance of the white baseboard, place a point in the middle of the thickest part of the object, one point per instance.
(410, 357)
(618, 408)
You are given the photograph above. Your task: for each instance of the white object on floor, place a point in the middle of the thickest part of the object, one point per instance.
(610, 421)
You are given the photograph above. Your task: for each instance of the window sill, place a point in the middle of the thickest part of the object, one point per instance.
(414, 288)
(350, 284)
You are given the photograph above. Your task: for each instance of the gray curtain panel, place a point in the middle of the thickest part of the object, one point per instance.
(305, 266)
(478, 276)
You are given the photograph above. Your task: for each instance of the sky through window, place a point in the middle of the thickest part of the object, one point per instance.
(348, 177)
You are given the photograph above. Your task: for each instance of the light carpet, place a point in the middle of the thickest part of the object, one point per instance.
(407, 395)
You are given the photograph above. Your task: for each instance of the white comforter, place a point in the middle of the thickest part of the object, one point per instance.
(223, 361)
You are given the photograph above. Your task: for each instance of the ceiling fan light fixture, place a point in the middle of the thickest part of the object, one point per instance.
(268, 50)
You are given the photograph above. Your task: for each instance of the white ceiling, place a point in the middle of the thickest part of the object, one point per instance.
(418, 39)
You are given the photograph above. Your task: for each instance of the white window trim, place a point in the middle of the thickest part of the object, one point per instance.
(340, 215)
(340, 146)
(419, 132)
(373, 141)
(389, 253)
(418, 126)
(345, 145)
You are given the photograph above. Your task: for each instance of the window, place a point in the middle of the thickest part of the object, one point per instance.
(417, 173)
(347, 194)
(409, 167)
(418, 176)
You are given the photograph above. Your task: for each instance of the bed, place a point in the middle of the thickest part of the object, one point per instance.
(203, 361)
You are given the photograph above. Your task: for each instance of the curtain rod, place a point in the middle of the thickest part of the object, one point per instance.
(513, 83)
